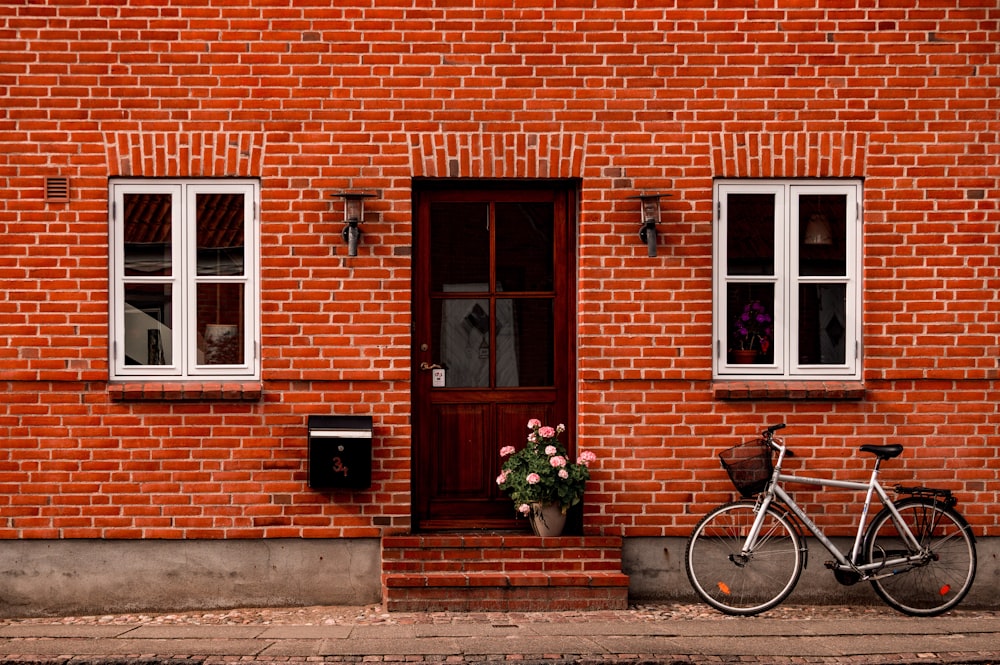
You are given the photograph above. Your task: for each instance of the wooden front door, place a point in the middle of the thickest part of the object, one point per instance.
(493, 344)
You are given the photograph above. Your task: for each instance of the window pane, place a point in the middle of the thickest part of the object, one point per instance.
(460, 247)
(148, 324)
(461, 340)
(525, 353)
(220, 233)
(750, 234)
(750, 317)
(524, 246)
(220, 324)
(822, 324)
(147, 234)
(823, 234)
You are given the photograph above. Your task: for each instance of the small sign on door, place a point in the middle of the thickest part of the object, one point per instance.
(437, 377)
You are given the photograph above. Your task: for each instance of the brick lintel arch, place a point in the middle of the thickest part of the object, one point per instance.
(789, 154)
(185, 154)
(497, 155)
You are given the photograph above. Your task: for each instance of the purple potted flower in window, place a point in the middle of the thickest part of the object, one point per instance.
(752, 329)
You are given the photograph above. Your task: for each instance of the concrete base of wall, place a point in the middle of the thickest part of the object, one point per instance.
(655, 567)
(80, 577)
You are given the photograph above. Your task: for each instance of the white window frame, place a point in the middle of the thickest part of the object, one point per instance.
(184, 280)
(786, 281)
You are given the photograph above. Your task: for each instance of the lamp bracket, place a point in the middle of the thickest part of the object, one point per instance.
(650, 210)
(354, 214)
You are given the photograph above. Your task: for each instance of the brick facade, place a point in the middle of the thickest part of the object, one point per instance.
(313, 98)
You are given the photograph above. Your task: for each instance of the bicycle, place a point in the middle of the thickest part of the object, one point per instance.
(745, 557)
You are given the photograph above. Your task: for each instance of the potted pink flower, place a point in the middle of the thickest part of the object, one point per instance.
(540, 477)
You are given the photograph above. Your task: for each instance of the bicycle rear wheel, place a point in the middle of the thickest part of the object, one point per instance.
(735, 582)
(941, 579)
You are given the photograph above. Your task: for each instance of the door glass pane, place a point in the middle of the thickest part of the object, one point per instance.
(750, 234)
(823, 234)
(822, 324)
(460, 247)
(148, 324)
(147, 234)
(524, 246)
(220, 234)
(460, 330)
(525, 353)
(220, 324)
(750, 315)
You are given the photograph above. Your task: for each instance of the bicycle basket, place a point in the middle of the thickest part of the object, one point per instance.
(749, 466)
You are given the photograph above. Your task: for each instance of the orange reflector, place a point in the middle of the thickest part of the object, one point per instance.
(724, 588)
(945, 589)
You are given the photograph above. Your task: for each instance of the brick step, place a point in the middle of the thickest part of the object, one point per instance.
(505, 593)
(499, 553)
(502, 572)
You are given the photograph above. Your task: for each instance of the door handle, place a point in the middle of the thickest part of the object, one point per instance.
(429, 366)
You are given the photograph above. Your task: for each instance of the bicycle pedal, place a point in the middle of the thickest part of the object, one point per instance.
(830, 565)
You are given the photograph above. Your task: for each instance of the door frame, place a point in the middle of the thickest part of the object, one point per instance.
(565, 192)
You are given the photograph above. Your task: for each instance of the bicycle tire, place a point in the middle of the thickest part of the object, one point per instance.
(743, 585)
(937, 584)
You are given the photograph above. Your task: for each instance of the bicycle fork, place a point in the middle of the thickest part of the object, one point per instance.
(764, 501)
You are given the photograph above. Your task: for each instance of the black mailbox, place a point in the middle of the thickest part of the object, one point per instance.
(340, 452)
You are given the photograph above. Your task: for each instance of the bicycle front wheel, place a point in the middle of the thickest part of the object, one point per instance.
(941, 578)
(738, 582)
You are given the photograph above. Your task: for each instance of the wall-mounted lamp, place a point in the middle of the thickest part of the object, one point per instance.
(650, 203)
(354, 214)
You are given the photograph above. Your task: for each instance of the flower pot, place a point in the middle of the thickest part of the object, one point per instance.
(744, 356)
(547, 520)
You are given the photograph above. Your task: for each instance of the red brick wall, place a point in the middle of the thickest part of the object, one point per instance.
(313, 99)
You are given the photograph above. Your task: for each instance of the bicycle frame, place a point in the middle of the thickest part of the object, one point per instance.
(871, 488)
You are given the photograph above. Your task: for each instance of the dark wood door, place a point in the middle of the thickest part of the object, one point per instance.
(493, 346)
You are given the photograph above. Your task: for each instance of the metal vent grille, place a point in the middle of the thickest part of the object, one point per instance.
(57, 189)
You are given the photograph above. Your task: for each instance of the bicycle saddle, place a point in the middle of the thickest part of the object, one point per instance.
(883, 452)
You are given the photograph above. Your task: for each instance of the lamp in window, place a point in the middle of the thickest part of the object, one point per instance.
(818, 230)
(354, 214)
(650, 207)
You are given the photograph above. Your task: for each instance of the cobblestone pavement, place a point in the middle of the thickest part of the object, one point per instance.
(876, 625)
(376, 615)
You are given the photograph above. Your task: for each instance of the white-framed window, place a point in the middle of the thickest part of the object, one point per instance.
(185, 298)
(787, 279)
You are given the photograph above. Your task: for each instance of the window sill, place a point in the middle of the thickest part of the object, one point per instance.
(230, 391)
(791, 390)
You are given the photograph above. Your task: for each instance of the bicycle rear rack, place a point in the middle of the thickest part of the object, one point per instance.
(944, 496)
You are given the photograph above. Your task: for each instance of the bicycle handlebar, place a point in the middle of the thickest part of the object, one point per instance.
(768, 435)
